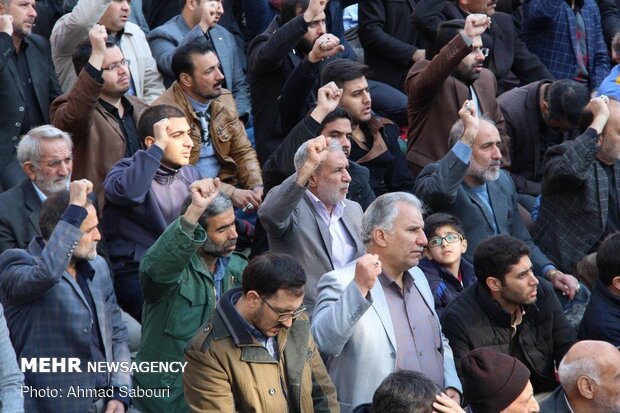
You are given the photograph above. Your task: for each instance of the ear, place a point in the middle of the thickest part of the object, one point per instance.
(191, 4)
(494, 284)
(29, 168)
(253, 299)
(379, 237)
(615, 282)
(186, 80)
(463, 246)
(312, 183)
(585, 387)
(544, 107)
(148, 141)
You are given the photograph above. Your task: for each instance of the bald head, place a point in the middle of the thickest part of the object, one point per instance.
(590, 376)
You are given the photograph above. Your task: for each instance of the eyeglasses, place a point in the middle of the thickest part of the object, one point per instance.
(282, 317)
(116, 65)
(482, 50)
(450, 238)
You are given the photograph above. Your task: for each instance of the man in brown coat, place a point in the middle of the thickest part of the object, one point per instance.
(256, 353)
(100, 118)
(437, 89)
(221, 146)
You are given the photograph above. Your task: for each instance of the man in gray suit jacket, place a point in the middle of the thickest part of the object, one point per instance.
(469, 184)
(199, 19)
(308, 216)
(377, 314)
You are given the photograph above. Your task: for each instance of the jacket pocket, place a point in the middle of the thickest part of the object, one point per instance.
(228, 129)
(187, 310)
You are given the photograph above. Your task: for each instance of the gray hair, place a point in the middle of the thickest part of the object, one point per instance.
(29, 148)
(458, 129)
(301, 156)
(570, 372)
(221, 203)
(382, 212)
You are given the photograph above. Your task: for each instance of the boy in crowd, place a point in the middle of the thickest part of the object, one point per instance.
(446, 271)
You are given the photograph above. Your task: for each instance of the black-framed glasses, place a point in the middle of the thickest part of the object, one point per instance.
(450, 238)
(483, 50)
(282, 317)
(116, 65)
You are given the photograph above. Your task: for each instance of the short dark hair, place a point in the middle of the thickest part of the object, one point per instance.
(82, 53)
(342, 70)
(288, 10)
(337, 113)
(182, 57)
(405, 391)
(270, 272)
(608, 259)
(446, 31)
(566, 99)
(495, 255)
(52, 209)
(220, 204)
(440, 219)
(154, 114)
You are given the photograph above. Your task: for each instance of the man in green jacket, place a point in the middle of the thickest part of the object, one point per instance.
(182, 276)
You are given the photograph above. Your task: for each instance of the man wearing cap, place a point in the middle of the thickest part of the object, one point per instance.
(510, 310)
(590, 377)
(495, 382)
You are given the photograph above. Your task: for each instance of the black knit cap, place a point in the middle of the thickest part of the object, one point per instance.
(492, 380)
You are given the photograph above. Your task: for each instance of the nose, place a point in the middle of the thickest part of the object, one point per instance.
(232, 233)
(125, 5)
(497, 152)
(534, 407)
(220, 75)
(64, 169)
(288, 323)
(422, 241)
(321, 29)
(32, 12)
(96, 235)
(346, 176)
(187, 141)
(533, 279)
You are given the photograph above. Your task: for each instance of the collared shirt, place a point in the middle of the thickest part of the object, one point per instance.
(40, 194)
(418, 338)
(269, 343)
(342, 244)
(221, 263)
(568, 404)
(126, 123)
(208, 164)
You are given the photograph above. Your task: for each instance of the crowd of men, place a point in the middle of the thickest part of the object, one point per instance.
(237, 206)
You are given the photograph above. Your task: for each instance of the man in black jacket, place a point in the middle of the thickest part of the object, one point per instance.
(507, 53)
(28, 83)
(293, 38)
(511, 311)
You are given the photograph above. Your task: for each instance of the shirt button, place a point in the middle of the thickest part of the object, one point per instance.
(393, 355)
(85, 331)
(21, 108)
(14, 138)
(272, 391)
(18, 124)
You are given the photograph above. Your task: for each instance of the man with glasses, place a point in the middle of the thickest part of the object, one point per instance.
(256, 352)
(101, 119)
(437, 89)
(376, 315)
(204, 266)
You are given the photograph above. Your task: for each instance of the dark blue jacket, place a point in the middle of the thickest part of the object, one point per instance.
(444, 285)
(601, 320)
(142, 199)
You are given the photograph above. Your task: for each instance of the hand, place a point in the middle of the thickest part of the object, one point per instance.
(471, 122)
(243, 198)
(259, 191)
(600, 112)
(315, 7)
(328, 98)
(6, 24)
(447, 404)
(160, 130)
(209, 16)
(97, 36)
(115, 406)
(203, 192)
(325, 46)
(317, 150)
(476, 24)
(78, 192)
(565, 283)
(367, 269)
(418, 55)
